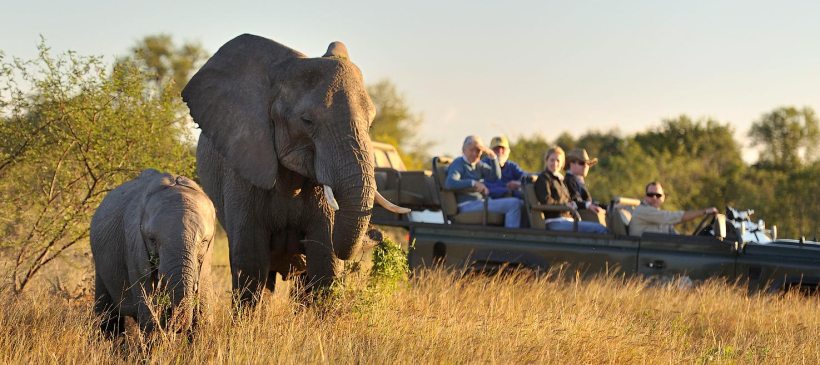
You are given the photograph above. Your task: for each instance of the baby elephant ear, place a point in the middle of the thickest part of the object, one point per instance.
(230, 98)
(337, 49)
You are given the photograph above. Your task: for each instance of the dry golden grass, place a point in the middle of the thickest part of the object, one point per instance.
(440, 317)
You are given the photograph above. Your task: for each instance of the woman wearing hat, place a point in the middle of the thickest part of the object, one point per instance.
(550, 189)
(578, 164)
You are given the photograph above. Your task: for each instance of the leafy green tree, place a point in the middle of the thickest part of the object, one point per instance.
(396, 124)
(601, 144)
(528, 152)
(565, 141)
(168, 64)
(783, 133)
(70, 131)
(701, 158)
(783, 185)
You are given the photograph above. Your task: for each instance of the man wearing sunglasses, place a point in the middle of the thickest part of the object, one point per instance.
(648, 217)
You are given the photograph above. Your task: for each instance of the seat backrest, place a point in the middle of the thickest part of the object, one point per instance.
(387, 178)
(620, 214)
(447, 198)
(535, 217)
(381, 179)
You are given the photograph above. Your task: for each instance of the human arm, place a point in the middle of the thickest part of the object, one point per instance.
(692, 214)
(458, 177)
(515, 174)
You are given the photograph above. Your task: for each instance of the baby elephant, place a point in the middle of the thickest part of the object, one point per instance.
(151, 239)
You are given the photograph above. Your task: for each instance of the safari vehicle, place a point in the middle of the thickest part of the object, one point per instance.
(728, 245)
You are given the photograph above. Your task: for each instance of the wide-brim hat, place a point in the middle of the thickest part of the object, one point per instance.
(500, 141)
(580, 154)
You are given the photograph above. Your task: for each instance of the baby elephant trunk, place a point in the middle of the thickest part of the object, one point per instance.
(182, 297)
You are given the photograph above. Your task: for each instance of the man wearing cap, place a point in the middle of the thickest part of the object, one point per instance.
(467, 175)
(648, 217)
(578, 163)
(511, 173)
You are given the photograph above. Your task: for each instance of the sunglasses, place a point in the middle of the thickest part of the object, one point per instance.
(654, 195)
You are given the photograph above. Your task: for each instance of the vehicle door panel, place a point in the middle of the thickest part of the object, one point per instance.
(696, 257)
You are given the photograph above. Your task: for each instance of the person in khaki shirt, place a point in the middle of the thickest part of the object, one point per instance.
(648, 217)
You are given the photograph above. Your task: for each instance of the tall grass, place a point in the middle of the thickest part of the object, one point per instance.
(441, 317)
(445, 317)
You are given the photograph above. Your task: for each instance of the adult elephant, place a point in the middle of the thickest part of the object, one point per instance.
(282, 134)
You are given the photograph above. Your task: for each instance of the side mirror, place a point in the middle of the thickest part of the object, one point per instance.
(719, 226)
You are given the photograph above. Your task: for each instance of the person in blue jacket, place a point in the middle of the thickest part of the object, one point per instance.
(511, 174)
(467, 176)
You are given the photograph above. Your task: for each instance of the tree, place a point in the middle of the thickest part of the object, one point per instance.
(528, 152)
(566, 141)
(396, 124)
(167, 63)
(76, 133)
(783, 133)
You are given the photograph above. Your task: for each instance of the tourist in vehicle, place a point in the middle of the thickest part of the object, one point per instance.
(511, 173)
(648, 216)
(578, 165)
(550, 189)
(466, 176)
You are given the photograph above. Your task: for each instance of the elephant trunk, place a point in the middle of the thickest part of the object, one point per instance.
(355, 192)
(181, 285)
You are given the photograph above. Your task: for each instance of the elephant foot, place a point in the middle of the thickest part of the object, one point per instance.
(112, 326)
(270, 284)
(315, 292)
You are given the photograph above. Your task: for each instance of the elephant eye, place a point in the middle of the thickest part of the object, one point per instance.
(306, 120)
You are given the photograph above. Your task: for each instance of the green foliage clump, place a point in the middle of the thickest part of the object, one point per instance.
(71, 130)
(390, 268)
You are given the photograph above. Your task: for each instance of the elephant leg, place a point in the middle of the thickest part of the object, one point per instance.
(111, 322)
(323, 268)
(250, 264)
(270, 284)
(249, 237)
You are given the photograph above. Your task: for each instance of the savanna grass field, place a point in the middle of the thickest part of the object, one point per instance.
(430, 316)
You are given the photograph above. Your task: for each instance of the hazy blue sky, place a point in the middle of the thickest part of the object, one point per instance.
(520, 68)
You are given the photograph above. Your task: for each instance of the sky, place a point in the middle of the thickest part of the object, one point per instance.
(518, 68)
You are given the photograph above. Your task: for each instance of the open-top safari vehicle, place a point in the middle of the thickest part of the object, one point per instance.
(729, 245)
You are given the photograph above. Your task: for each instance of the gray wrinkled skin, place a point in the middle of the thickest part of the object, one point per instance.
(276, 127)
(155, 228)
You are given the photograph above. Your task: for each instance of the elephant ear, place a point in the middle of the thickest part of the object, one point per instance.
(230, 98)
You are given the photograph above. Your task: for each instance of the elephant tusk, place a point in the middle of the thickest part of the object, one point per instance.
(331, 200)
(390, 206)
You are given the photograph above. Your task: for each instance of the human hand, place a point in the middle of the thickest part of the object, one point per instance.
(710, 210)
(595, 208)
(514, 185)
(481, 188)
(490, 153)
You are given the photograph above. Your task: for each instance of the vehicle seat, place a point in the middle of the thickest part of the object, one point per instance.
(393, 187)
(535, 210)
(449, 204)
(620, 214)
